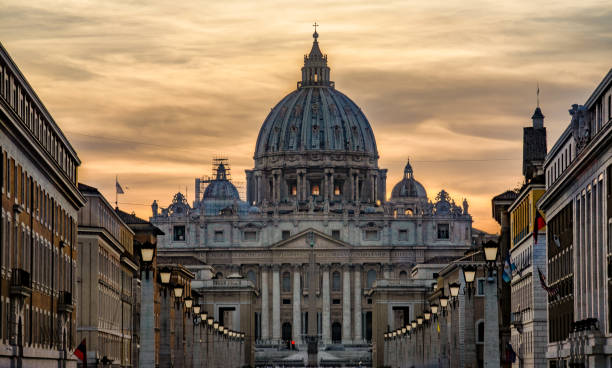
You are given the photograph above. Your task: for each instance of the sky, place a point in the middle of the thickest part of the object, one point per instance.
(150, 91)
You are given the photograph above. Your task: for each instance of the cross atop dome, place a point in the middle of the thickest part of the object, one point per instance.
(315, 71)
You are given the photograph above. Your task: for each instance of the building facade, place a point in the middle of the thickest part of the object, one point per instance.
(107, 276)
(577, 207)
(38, 231)
(528, 253)
(317, 228)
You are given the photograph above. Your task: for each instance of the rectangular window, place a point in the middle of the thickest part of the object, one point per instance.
(250, 236)
(336, 234)
(218, 235)
(286, 301)
(336, 301)
(403, 235)
(371, 235)
(179, 233)
(443, 231)
(286, 234)
(480, 286)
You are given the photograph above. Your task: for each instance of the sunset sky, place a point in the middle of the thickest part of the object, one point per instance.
(151, 90)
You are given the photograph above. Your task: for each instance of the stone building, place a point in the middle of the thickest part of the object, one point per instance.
(38, 230)
(577, 205)
(108, 279)
(528, 253)
(317, 228)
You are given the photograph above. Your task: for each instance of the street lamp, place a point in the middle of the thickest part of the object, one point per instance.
(188, 302)
(147, 251)
(427, 315)
(469, 274)
(419, 320)
(490, 250)
(196, 310)
(164, 275)
(414, 324)
(178, 291)
(454, 293)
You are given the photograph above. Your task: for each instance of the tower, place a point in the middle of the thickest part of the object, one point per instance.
(534, 146)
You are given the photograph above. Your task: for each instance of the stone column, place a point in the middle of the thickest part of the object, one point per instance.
(326, 313)
(265, 305)
(276, 325)
(297, 308)
(357, 322)
(189, 342)
(346, 305)
(197, 352)
(491, 328)
(146, 355)
(469, 338)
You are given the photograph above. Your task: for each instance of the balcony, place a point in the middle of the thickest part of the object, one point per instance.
(21, 284)
(64, 302)
(516, 319)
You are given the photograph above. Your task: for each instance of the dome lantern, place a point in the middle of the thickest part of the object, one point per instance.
(315, 71)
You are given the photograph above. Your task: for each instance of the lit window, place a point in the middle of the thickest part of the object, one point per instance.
(293, 190)
(337, 191)
(315, 190)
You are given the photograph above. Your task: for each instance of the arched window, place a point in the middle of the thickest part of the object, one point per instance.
(408, 212)
(403, 275)
(480, 329)
(336, 281)
(251, 276)
(286, 281)
(371, 278)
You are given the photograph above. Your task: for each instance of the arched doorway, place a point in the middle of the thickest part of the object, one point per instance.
(336, 333)
(287, 332)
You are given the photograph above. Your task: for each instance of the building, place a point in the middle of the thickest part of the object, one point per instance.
(317, 228)
(107, 272)
(38, 231)
(528, 253)
(577, 206)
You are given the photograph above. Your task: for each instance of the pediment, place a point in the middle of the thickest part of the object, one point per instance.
(304, 239)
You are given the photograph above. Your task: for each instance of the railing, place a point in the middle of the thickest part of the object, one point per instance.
(21, 283)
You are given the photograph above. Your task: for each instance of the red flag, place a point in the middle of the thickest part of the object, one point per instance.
(538, 224)
(81, 352)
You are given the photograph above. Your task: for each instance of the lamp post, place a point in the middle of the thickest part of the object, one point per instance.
(469, 274)
(454, 293)
(146, 351)
(491, 336)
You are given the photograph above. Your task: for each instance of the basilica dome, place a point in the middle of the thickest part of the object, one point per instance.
(408, 187)
(316, 116)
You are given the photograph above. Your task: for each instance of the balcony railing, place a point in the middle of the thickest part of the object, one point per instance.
(64, 302)
(21, 284)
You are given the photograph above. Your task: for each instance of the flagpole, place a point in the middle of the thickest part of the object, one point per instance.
(116, 192)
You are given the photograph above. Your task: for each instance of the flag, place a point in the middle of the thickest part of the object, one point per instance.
(551, 291)
(81, 352)
(510, 354)
(118, 188)
(538, 224)
(438, 327)
(509, 268)
(556, 240)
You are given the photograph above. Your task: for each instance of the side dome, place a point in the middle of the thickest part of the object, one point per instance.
(316, 117)
(408, 187)
(220, 187)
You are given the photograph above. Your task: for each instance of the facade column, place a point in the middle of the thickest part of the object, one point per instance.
(326, 313)
(189, 341)
(346, 305)
(265, 305)
(357, 322)
(491, 328)
(276, 325)
(179, 356)
(297, 308)
(165, 350)
(197, 347)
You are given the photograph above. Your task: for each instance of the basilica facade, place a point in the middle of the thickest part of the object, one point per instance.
(316, 229)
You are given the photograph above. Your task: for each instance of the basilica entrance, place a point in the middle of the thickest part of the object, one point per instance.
(336, 333)
(287, 332)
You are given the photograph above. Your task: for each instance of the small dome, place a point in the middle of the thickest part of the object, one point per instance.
(220, 187)
(408, 187)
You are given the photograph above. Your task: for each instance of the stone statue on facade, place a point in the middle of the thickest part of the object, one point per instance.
(581, 125)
